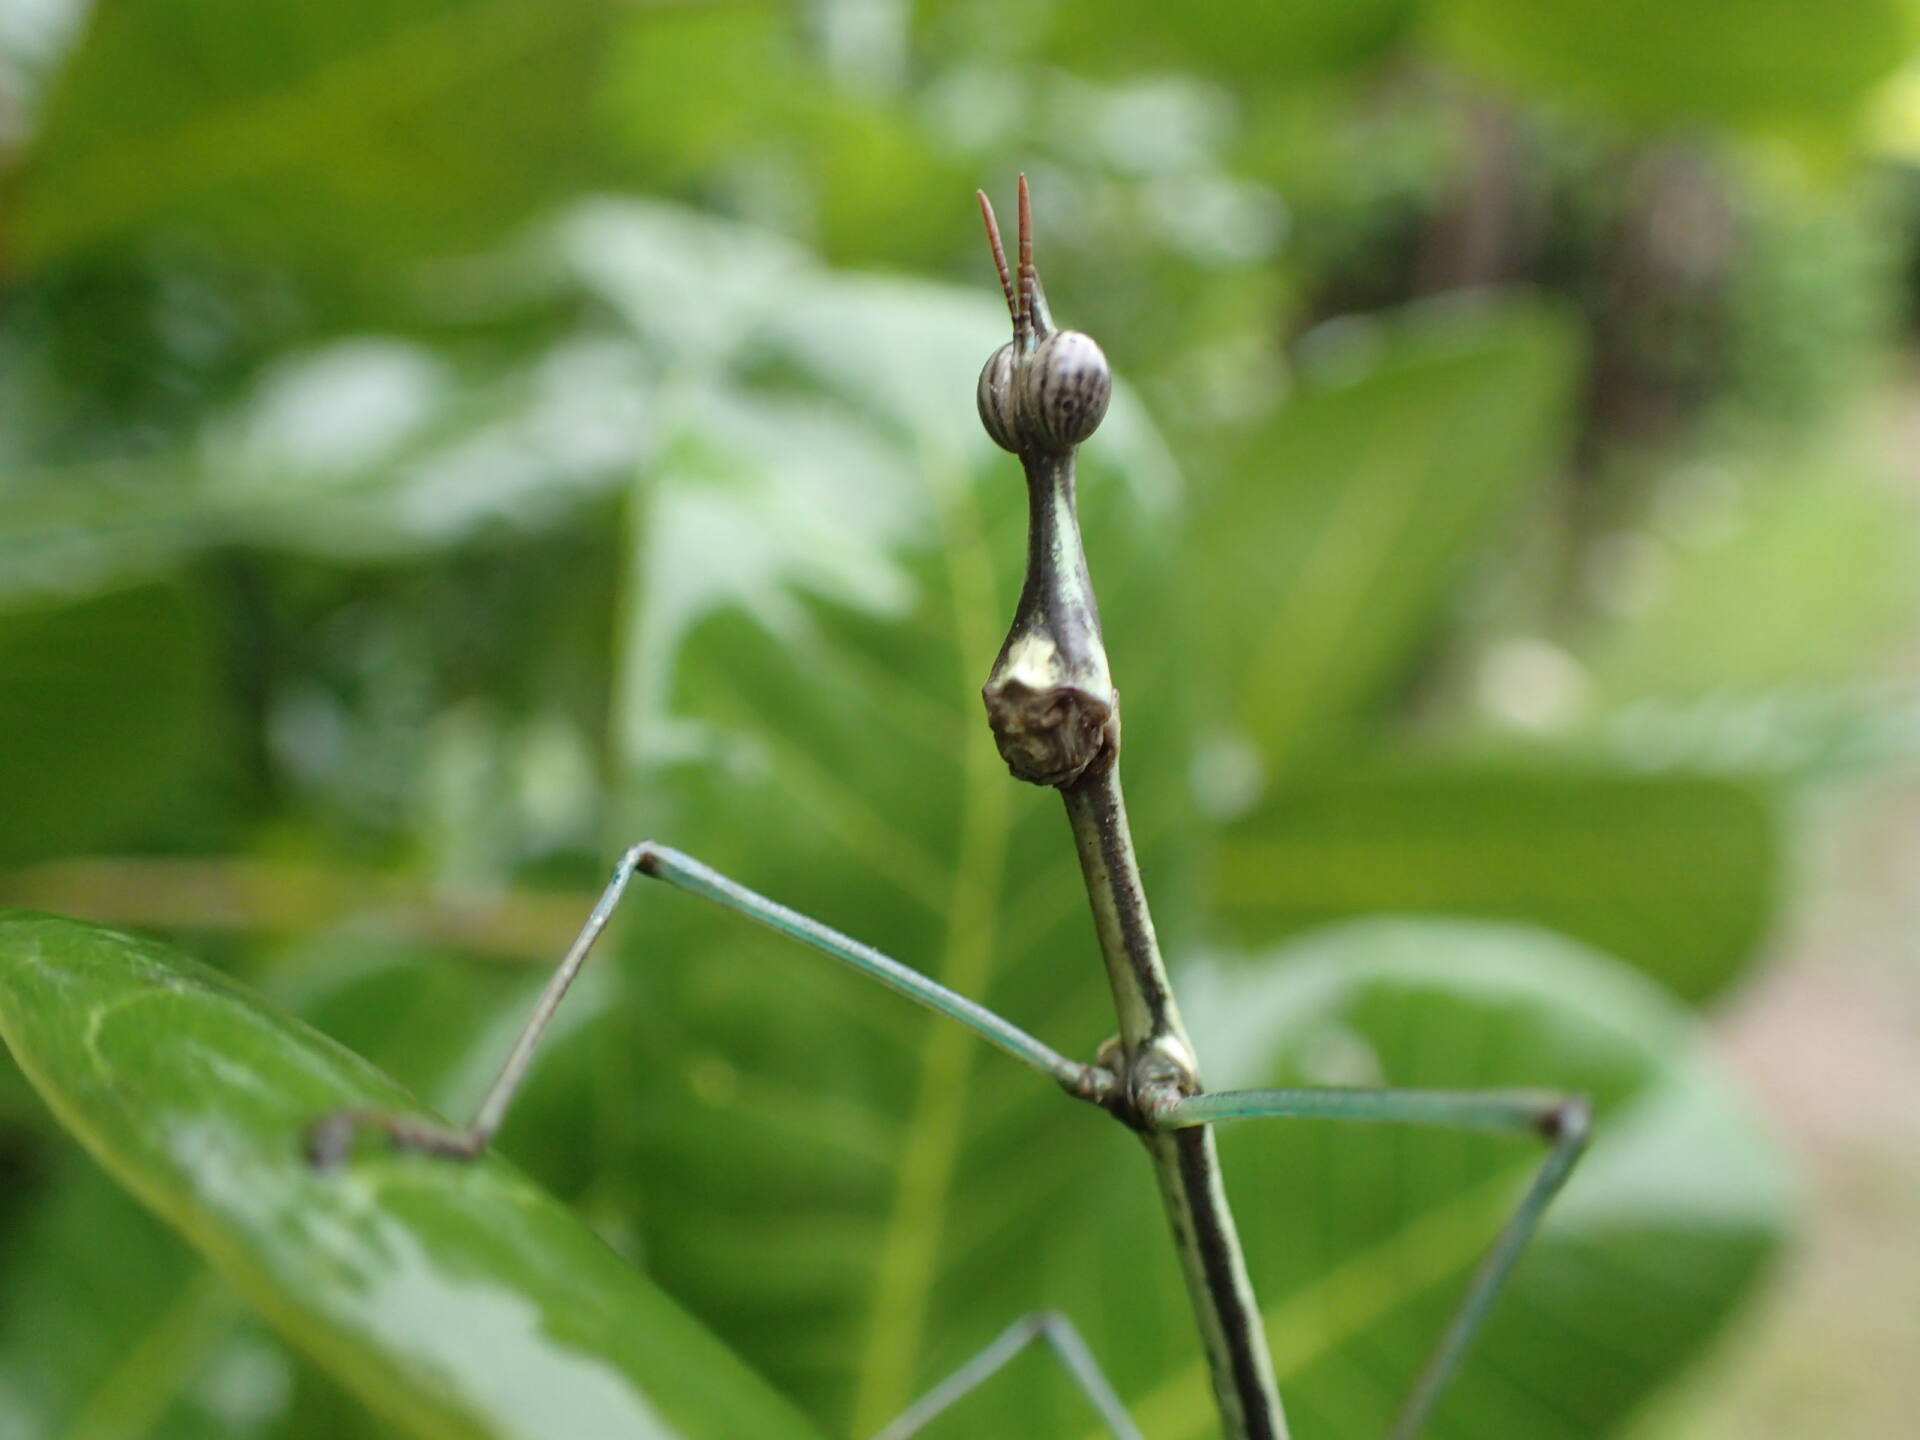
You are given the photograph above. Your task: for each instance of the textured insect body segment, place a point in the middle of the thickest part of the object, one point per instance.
(1050, 698)
(1051, 717)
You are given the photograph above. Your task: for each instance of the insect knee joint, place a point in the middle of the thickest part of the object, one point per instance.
(1568, 1122)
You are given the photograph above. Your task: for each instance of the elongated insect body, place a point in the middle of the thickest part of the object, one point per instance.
(1055, 716)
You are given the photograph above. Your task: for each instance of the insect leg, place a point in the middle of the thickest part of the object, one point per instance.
(1066, 1343)
(1561, 1120)
(332, 1136)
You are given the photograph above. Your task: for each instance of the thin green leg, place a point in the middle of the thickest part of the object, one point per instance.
(1561, 1120)
(332, 1136)
(1065, 1341)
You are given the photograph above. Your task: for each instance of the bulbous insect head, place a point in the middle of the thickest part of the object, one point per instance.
(1063, 390)
(1052, 400)
(995, 398)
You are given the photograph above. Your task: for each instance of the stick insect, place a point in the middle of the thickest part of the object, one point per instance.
(1055, 716)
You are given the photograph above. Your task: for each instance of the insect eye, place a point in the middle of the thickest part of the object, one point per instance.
(996, 400)
(1063, 390)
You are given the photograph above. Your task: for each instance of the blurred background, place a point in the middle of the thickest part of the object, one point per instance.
(444, 440)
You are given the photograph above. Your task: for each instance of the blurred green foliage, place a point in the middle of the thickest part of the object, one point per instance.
(444, 440)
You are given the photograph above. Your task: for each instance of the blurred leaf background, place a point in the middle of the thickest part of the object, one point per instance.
(442, 441)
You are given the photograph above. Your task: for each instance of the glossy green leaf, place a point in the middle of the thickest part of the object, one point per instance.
(1674, 873)
(1350, 517)
(176, 1354)
(441, 1023)
(459, 1300)
(323, 126)
(1741, 61)
(1360, 1237)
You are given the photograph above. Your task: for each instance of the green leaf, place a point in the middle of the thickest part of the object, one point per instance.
(1720, 621)
(392, 1002)
(1348, 521)
(1718, 61)
(372, 448)
(1674, 873)
(323, 125)
(63, 1355)
(458, 1300)
(720, 98)
(1360, 1237)
(173, 1354)
(110, 710)
(178, 1355)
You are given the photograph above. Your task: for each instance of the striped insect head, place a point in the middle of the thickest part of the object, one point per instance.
(1046, 390)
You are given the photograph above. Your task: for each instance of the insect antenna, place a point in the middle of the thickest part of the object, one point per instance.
(999, 255)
